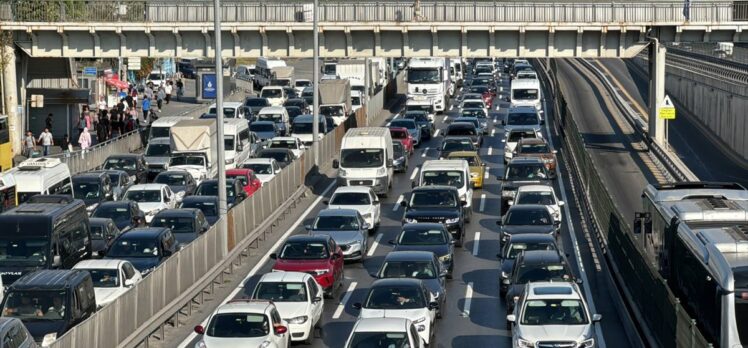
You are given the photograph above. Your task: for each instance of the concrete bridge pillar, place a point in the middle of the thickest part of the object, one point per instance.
(10, 93)
(657, 126)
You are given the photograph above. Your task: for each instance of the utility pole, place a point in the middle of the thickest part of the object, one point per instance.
(315, 78)
(222, 210)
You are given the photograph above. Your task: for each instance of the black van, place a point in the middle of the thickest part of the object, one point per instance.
(50, 302)
(92, 188)
(43, 236)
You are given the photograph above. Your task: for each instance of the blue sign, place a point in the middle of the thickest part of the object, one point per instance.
(89, 71)
(209, 86)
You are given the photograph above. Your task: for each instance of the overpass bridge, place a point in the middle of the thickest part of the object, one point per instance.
(391, 28)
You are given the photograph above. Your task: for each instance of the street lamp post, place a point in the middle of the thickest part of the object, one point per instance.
(315, 78)
(220, 160)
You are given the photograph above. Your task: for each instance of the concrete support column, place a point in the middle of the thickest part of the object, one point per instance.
(463, 42)
(321, 39)
(601, 50)
(578, 48)
(377, 42)
(434, 41)
(551, 42)
(521, 43)
(97, 42)
(656, 90)
(11, 98)
(264, 36)
(622, 41)
(291, 42)
(64, 38)
(151, 42)
(208, 43)
(348, 41)
(406, 42)
(34, 42)
(492, 41)
(122, 42)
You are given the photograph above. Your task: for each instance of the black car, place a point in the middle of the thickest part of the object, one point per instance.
(177, 180)
(462, 130)
(400, 161)
(297, 102)
(185, 223)
(207, 204)
(103, 233)
(527, 218)
(125, 214)
(234, 191)
(432, 237)
(535, 266)
(119, 179)
(455, 144)
(383, 294)
(145, 247)
(422, 120)
(284, 157)
(522, 171)
(293, 112)
(421, 265)
(515, 246)
(256, 104)
(439, 204)
(133, 164)
(92, 189)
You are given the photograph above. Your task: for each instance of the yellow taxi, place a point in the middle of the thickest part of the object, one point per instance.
(477, 167)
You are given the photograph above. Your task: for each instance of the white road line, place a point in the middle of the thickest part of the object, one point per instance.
(436, 134)
(482, 201)
(397, 203)
(374, 245)
(468, 300)
(476, 242)
(344, 301)
(263, 260)
(451, 107)
(414, 174)
(485, 175)
(493, 132)
(501, 88)
(490, 150)
(425, 151)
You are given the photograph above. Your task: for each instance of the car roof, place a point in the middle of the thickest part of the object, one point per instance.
(188, 212)
(396, 282)
(238, 171)
(89, 176)
(49, 280)
(553, 290)
(275, 149)
(358, 189)
(175, 171)
(273, 109)
(531, 238)
(435, 188)
(99, 221)
(126, 155)
(160, 140)
(535, 188)
(110, 171)
(527, 207)
(522, 108)
(518, 129)
(229, 181)
(244, 305)
(284, 277)
(381, 325)
(541, 256)
(460, 124)
(460, 138)
(338, 212)
(200, 199)
(99, 263)
(284, 138)
(410, 255)
(532, 141)
(523, 160)
(143, 232)
(462, 154)
(259, 160)
(308, 238)
(147, 187)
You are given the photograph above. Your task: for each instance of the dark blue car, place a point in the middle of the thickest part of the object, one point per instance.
(145, 248)
(207, 204)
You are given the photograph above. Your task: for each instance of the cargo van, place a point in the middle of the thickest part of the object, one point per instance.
(526, 92)
(276, 114)
(160, 128)
(232, 110)
(455, 173)
(275, 95)
(41, 176)
(303, 128)
(236, 141)
(366, 159)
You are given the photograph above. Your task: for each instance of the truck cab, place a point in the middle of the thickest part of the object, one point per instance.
(366, 159)
(430, 77)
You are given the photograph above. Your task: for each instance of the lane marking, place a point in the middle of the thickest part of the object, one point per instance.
(476, 242)
(485, 176)
(451, 107)
(482, 201)
(425, 151)
(468, 300)
(490, 150)
(397, 203)
(344, 301)
(501, 88)
(262, 261)
(436, 134)
(414, 174)
(493, 131)
(374, 245)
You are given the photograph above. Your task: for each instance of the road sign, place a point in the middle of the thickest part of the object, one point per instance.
(37, 100)
(89, 71)
(666, 111)
(133, 64)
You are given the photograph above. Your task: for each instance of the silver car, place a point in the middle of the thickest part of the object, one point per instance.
(346, 227)
(15, 334)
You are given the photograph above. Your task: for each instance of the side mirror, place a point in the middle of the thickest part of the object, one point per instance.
(308, 227)
(199, 330)
(542, 122)
(499, 222)
(274, 256)
(374, 275)
(412, 184)
(57, 261)
(579, 281)
(443, 273)
(366, 226)
(317, 299)
(511, 318)
(597, 317)
(463, 203)
(326, 202)
(392, 242)
(498, 256)
(128, 282)
(554, 152)
(433, 305)
(404, 204)
(335, 164)
(357, 305)
(561, 203)
(390, 163)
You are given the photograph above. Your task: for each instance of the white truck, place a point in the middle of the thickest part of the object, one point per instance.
(355, 71)
(429, 77)
(264, 70)
(366, 159)
(194, 148)
(335, 99)
(381, 69)
(283, 76)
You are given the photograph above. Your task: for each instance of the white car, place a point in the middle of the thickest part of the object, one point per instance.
(301, 84)
(244, 323)
(298, 298)
(396, 332)
(111, 278)
(540, 194)
(153, 198)
(401, 298)
(275, 95)
(361, 198)
(264, 168)
(292, 143)
(474, 103)
(512, 137)
(552, 312)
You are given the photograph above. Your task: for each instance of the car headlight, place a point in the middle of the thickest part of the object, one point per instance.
(381, 171)
(445, 258)
(504, 275)
(321, 271)
(49, 339)
(342, 172)
(298, 320)
(508, 193)
(411, 220)
(452, 220)
(201, 344)
(521, 343)
(473, 175)
(229, 161)
(588, 343)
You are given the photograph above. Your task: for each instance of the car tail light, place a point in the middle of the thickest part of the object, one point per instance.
(199, 330)
(280, 329)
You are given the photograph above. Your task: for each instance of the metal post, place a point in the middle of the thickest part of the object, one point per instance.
(10, 97)
(656, 90)
(221, 162)
(315, 78)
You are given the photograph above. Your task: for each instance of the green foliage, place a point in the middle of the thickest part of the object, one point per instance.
(146, 66)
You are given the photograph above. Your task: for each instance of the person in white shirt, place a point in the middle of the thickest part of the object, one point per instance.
(168, 89)
(46, 140)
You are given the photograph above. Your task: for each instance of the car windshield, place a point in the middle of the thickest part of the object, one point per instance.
(429, 198)
(525, 172)
(283, 144)
(479, 89)
(104, 277)
(228, 143)
(471, 160)
(281, 292)
(211, 189)
(278, 156)
(461, 130)
(474, 113)
(408, 124)
(424, 75)
(116, 213)
(303, 83)
(97, 231)
(395, 297)
(208, 208)
(521, 217)
(177, 224)
(379, 340)
(525, 94)
(336, 223)
(536, 197)
(517, 248)
(356, 100)
(35, 305)
(350, 198)
(271, 93)
(159, 132)
(303, 250)
(534, 148)
(256, 102)
(238, 325)
(443, 177)
(418, 116)
(458, 145)
(26, 251)
(277, 118)
(522, 119)
(171, 179)
(227, 112)
(516, 136)
(259, 168)
(131, 247)
(413, 107)
(187, 161)
(120, 163)
(306, 127)
(155, 76)
(409, 269)
(472, 105)
(142, 196)
(261, 127)
(331, 110)
(158, 150)
(554, 312)
(421, 236)
(362, 158)
(399, 134)
(85, 190)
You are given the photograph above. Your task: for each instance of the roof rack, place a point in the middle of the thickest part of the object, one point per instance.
(249, 300)
(39, 163)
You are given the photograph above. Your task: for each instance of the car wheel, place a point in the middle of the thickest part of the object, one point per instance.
(308, 340)
(458, 242)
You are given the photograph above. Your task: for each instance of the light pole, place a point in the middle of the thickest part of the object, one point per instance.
(315, 78)
(221, 162)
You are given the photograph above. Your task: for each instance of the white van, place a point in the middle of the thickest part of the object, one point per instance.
(236, 145)
(526, 92)
(275, 95)
(160, 128)
(46, 176)
(357, 101)
(303, 128)
(264, 70)
(231, 110)
(277, 114)
(455, 173)
(366, 159)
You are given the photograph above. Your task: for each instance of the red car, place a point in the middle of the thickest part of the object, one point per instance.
(400, 133)
(319, 256)
(249, 181)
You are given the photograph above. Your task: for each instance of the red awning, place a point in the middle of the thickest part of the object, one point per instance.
(114, 81)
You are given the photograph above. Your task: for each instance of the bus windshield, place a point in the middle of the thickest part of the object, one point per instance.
(26, 251)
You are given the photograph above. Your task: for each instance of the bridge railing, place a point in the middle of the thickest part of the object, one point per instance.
(371, 11)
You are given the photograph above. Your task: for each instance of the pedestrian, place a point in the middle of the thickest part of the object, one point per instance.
(146, 107)
(101, 133)
(48, 121)
(168, 89)
(28, 144)
(129, 124)
(66, 146)
(160, 96)
(148, 92)
(116, 126)
(102, 104)
(180, 88)
(46, 140)
(84, 140)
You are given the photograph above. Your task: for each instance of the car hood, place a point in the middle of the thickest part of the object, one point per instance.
(157, 160)
(362, 209)
(432, 212)
(106, 295)
(178, 188)
(438, 250)
(39, 328)
(233, 342)
(265, 135)
(412, 314)
(300, 265)
(554, 332)
(151, 206)
(143, 264)
(521, 229)
(288, 310)
(341, 237)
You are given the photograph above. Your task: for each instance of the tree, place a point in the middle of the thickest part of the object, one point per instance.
(146, 66)
(6, 40)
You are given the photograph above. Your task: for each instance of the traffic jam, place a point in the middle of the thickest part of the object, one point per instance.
(446, 225)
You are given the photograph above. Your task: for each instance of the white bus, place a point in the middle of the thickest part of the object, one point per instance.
(45, 176)
(236, 141)
(264, 70)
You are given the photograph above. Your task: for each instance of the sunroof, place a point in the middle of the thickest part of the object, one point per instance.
(553, 290)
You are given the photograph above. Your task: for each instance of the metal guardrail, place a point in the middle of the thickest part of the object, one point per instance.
(728, 69)
(107, 11)
(80, 161)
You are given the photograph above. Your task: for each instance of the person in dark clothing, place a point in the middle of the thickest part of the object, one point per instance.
(65, 144)
(48, 122)
(116, 126)
(180, 89)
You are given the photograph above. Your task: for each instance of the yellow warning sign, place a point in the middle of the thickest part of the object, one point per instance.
(667, 110)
